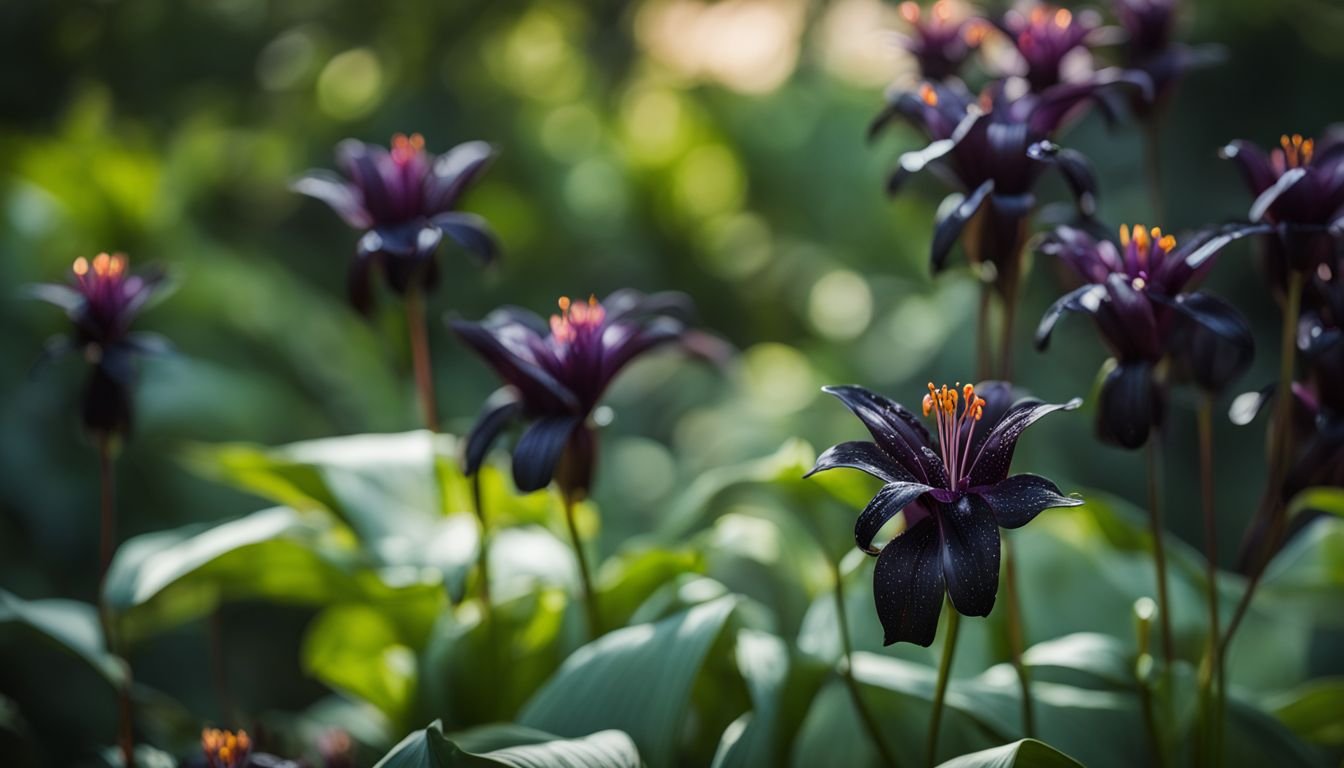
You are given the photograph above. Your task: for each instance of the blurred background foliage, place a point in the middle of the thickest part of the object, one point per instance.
(714, 148)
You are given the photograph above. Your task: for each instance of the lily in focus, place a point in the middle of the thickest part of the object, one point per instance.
(954, 491)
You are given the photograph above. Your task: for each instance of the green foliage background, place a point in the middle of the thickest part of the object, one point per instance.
(170, 129)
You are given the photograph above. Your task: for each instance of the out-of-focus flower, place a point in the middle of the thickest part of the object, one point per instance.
(337, 749)
(955, 493)
(225, 749)
(556, 373)
(1150, 47)
(941, 37)
(405, 200)
(1299, 192)
(102, 299)
(1043, 36)
(1320, 339)
(993, 149)
(1136, 294)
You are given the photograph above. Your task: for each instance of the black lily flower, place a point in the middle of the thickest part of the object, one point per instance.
(1044, 36)
(1320, 338)
(993, 150)
(1136, 294)
(1299, 192)
(404, 200)
(941, 38)
(101, 300)
(555, 374)
(955, 493)
(1150, 47)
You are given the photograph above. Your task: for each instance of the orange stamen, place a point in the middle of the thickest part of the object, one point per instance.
(928, 95)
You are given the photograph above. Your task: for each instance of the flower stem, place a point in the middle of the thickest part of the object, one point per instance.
(483, 550)
(1159, 551)
(1016, 637)
(589, 596)
(424, 372)
(944, 676)
(1279, 454)
(1210, 679)
(1006, 332)
(855, 692)
(107, 546)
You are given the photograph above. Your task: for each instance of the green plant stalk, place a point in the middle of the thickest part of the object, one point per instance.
(1210, 681)
(483, 549)
(1159, 552)
(944, 677)
(1150, 721)
(855, 692)
(1016, 637)
(1278, 453)
(589, 595)
(107, 547)
(424, 372)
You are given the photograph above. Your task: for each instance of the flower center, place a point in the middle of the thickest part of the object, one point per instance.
(1145, 249)
(407, 148)
(103, 267)
(928, 95)
(224, 749)
(951, 420)
(1295, 150)
(577, 319)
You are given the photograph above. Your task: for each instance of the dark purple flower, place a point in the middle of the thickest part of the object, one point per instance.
(101, 300)
(993, 149)
(1299, 191)
(1043, 37)
(405, 200)
(1150, 47)
(941, 38)
(556, 373)
(955, 492)
(1135, 292)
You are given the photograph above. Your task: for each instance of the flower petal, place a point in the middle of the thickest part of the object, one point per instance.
(1086, 299)
(1130, 403)
(992, 461)
(362, 164)
(895, 429)
(538, 451)
(863, 456)
(1020, 498)
(471, 232)
(1253, 164)
(541, 390)
(970, 555)
(499, 409)
(1076, 170)
(889, 501)
(453, 172)
(953, 214)
(1266, 200)
(911, 163)
(57, 294)
(343, 197)
(908, 586)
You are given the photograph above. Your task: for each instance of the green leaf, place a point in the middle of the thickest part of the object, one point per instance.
(361, 651)
(430, 748)
(1315, 711)
(67, 625)
(164, 579)
(1084, 659)
(1319, 499)
(1027, 753)
(637, 679)
(627, 580)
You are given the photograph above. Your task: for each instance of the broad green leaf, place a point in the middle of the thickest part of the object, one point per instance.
(164, 579)
(430, 748)
(361, 651)
(637, 679)
(1083, 659)
(65, 624)
(1319, 499)
(627, 580)
(781, 686)
(1026, 753)
(1314, 711)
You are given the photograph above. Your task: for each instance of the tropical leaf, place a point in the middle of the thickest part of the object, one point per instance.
(430, 748)
(1026, 753)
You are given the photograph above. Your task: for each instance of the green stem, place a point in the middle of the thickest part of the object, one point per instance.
(424, 372)
(1159, 551)
(1210, 681)
(589, 596)
(944, 676)
(855, 692)
(107, 547)
(482, 550)
(1016, 637)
